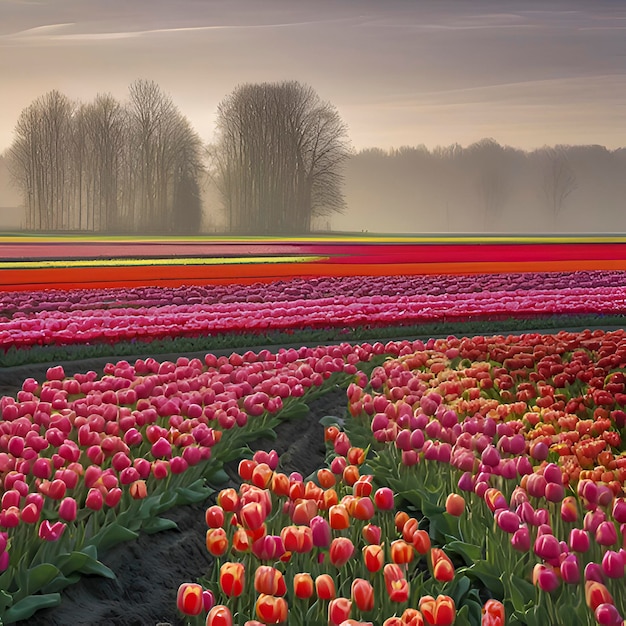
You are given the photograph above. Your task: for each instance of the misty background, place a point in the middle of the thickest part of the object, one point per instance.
(449, 104)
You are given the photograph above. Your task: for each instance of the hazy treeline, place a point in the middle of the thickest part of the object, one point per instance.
(107, 165)
(278, 158)
(486, 187)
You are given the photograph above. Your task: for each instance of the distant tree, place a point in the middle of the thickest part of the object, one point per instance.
(105, 166)
(40, 160)
(492, 179)
(279, 157)
(559, 180)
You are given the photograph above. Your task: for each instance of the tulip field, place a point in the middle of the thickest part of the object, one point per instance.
(470, 478)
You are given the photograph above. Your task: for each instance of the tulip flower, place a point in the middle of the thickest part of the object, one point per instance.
(401, 552)
(266, 548)
(421, 541)
(297, 538)
(303, 585)
(138, 490)
(443, 569)
(412, 617)
(269, 580)
(493, 613)
(455, 504)
(371, 533)
(228, 499)
(214, 516)
(189, 599)
(596, 594)
(579, 540)
(67, 509)
(271, 610)
(438, 612)
(216, 541)
(338, 611)
(51, 532)
(232, 578)
(341, 551)
(570, 569)
(384, 500)
(219, 615)
(606, 534)
(325, 587)
(613, 564)
(363, 509)
(545, 577)
(252, 515)
(396, 584)
(607, 615)
(374, 557)
(338, 517)
(362, 594)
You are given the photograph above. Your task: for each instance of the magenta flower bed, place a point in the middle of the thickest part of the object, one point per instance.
(115, 315)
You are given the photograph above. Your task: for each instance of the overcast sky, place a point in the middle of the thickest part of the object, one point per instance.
(401, 72)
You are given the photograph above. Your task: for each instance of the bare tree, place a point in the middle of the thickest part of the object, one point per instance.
(279, 157)
(559, 180)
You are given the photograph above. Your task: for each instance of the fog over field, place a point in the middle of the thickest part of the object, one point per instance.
(429, 73)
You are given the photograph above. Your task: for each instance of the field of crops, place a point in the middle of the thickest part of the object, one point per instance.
(474, 474)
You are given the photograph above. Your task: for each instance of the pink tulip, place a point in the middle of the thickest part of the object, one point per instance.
(613, 564)
(67, 509)
(606, 534)
(570, 569)
(51, 532)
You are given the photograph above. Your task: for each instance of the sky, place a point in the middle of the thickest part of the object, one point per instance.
(527, 73)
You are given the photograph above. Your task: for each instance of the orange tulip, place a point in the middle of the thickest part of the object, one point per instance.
(363, 509)
(374, 557)
(412, 617)
(280, 484)
(216, 541)
(350, 475)
(219, 615)
(439, 612)
(493, 613)
(356, 456)
(338, 517)
(328, 498)
(303, 585)
(409, 528)
(393, 621)
(312, 491)
(269, 580)
(303, 511)
(232, 578)
(297, 538)
(271, 610)
(326, 478)
(401, 551)
(340, 551)
(330, 433)
(443, 569)
(362, 594)
(241, 541)
(596, 594)
(400, 520)
(138, 490)
(338, 611)
(262, 476)
(228, 499)
(325, 587)
(455, 504)
(189, 599)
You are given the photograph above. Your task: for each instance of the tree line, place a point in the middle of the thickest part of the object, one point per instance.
(138, 166)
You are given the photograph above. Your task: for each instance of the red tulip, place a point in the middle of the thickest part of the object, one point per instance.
(232, 578)
(493, 613)
(189, 599)
(219, 615)
(341, 551)
(303, 585)
(443, 569)
(439, 612)
(325, 587)
(338, 611)
(396, 584)
(269, 581)
(401, 551)
(374, 557)
(271, 610)
(216, 541)
(362, 594)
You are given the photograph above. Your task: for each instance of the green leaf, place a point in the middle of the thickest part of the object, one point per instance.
(331, 420)
(462, 617)
(158, 524)
(111, 535)
(70, 562)
(60, 583)
(470, 552)
(294, 410)
(190, 496)
(5, 600)
(30, 605)
(96, 568)
(39, 576)
(488, 576)
(520, 592)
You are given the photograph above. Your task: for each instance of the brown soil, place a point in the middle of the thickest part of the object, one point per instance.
(150, 569)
